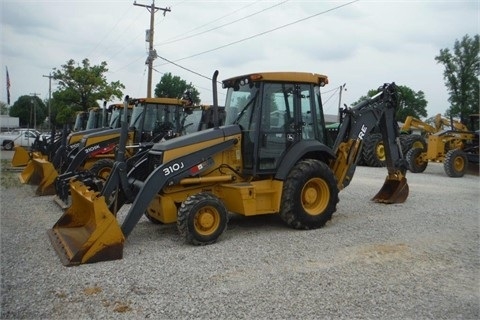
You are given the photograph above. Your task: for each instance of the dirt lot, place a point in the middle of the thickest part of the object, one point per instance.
(415, 260)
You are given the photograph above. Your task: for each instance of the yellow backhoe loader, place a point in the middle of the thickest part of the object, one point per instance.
(43, 148)
(151, 118)
(54, 154)
(270, 157)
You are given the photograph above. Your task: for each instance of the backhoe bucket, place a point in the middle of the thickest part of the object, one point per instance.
(20, 157)
(394, 190)
(87, 232)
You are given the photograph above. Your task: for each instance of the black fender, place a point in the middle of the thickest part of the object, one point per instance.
(303, 149)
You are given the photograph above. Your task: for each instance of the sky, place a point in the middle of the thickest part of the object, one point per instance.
(360, 44)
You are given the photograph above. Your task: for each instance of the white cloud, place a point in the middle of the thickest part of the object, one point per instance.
(362, 44)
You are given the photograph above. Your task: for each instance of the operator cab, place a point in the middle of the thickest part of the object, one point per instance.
(158, 120)
(275, 115)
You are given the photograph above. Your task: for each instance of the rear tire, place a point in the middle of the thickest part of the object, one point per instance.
(455, 163)
(8, 145)
(310, 195)
(202, 219)
(374, 151)
(414, 160)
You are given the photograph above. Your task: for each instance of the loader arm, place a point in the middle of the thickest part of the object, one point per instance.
(357, 122)
(169, 173)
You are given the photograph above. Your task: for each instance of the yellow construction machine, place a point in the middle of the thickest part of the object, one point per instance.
(454, 147)
(270, 157)
(373, 153)
(151, 118)
(54, 154)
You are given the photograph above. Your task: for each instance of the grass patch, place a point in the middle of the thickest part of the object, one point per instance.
(8, 177)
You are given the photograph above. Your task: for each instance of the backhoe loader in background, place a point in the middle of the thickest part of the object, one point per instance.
(151, 118)
(269, 158)
(55, 154)
(96, 118)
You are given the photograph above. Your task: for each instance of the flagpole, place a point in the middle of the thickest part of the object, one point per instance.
(8, 86)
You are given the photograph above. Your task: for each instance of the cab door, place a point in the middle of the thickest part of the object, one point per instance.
(288, 116)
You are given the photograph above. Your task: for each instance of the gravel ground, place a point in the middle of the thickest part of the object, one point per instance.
(416, 260)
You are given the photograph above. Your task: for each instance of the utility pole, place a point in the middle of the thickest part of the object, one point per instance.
(152, 53)
(34, 95)
(49, 98)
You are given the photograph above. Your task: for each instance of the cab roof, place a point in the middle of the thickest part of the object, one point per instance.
(286, 76)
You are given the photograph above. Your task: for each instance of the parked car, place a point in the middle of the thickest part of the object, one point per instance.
(18, 137)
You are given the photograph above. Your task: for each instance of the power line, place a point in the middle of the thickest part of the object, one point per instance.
(223, 25)
(174, 38)
(268, 31)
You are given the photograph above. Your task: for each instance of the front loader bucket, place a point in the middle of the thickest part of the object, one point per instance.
(28, 176)
(87, 232)
(394, 190)
(40, 172)
(20, 157)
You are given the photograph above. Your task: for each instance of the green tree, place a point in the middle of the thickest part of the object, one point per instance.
(3, 108)
(410, 103)
(30, 110)
(174, 87)
(462, 69)
(81, 86)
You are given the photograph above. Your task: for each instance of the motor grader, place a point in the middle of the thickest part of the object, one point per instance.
(373, 153)
(454, 147)
(270, 157)
(55, 154)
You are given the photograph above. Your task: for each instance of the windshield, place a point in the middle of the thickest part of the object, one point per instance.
(239, 104)
(116, 117)
(137, 115)
(157, 116)
(80, 121)
(95, 119)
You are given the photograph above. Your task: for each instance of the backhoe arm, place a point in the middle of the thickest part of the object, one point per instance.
(357, 122)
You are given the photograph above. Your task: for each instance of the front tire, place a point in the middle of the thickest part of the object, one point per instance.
(310, 195)
(455, 163)
(201, 219)
(415, 161)
(102, 168)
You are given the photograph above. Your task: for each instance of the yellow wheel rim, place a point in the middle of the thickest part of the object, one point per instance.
(315, 196)
(458, 164)
(207, 221)
(104, 173)
(380, 151)
(417, 144)
(419, 161)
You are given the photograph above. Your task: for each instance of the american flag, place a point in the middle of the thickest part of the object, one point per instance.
(8, 87)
